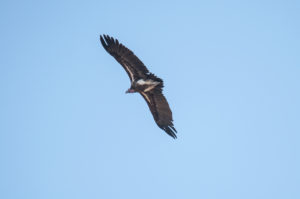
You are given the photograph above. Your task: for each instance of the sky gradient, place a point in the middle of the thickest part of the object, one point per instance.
(231, 72)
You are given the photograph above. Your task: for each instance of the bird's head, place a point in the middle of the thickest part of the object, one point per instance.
(130, 90)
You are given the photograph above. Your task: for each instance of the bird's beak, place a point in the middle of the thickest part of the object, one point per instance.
(130, 91)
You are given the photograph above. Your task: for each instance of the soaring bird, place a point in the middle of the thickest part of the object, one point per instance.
(143, 82)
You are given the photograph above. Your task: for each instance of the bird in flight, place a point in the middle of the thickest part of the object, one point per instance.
(143, 82)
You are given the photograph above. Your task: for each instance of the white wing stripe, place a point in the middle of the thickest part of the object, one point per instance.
(147, 98)
(150, 88)
(129, 71)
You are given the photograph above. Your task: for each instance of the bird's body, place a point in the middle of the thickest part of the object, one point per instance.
(143, 82)
(145, 85)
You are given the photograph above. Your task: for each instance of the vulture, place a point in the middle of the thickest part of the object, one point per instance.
(142, 81)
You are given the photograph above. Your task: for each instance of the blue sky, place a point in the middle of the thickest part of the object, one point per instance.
(231, 72)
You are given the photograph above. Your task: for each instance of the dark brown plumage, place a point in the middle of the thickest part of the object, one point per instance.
(142, 81)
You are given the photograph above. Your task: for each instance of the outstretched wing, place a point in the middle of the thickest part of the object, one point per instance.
(130, 62)
(160, 110)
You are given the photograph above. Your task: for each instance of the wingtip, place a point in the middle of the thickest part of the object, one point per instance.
(102, 37)
(174, 137)
(103, 42)
(170, 130)
(107, 41)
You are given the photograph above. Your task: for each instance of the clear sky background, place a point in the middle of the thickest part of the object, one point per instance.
(232, 78)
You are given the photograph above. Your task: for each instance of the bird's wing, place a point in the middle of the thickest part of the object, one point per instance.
(130, 62)
(160, 110)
